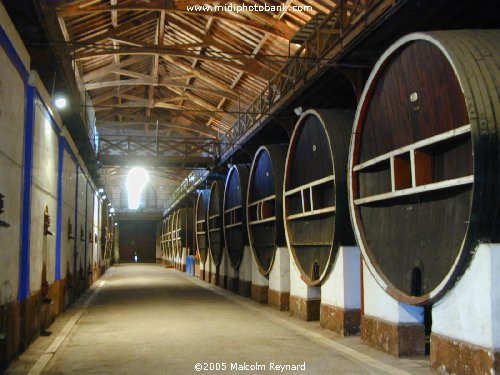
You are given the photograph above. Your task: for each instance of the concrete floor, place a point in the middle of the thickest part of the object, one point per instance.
(146, 319)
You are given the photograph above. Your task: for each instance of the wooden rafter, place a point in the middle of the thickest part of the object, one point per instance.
(254, 69)
(148, 81)
(266, 23)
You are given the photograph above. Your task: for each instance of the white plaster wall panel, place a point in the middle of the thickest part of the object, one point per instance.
(159, 254)
(68, 213)
(44, 193)
(470, 311)
(90, 224)
(11, 159)
(298, 287)
(342, 287)
(379, 304)
(245, 269)
(257, 278)
(279, 277)
(12, 99)
(82, 183)
(95, 229)
(14, 37)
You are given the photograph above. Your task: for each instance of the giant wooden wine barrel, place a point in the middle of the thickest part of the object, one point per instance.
(164, 226)
(183, 230)
(201, 223)
(174, 233)
(315, 204)
(265, 205)
(170, 245)
(424, 160)
(215, 229)
(234, 219)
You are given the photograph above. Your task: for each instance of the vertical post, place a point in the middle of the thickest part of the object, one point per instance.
(60, 161)
(86, 227)
(75, 241)
(24, 261)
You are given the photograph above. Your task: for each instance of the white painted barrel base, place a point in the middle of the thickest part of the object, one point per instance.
(388, 325)
(304, 300)
(260, 284)
(465, 335)
(183, 259)
(214, 274)
(223, 271)
(245, 273)
(197, 267)
(203, 266)
(232, 279)
(341, 294)
(278, 294)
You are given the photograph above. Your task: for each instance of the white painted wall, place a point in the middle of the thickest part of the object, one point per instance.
(68, 212)
(279, 277)
(379, 304)
(11, 159)
(44, 193)
(223, 267)
(470, 311)
(342, 287)
(159, 254)
(298, 287)
(96, 231)
(82, 203)
(90, 225)
(257, 278)
(245, 269)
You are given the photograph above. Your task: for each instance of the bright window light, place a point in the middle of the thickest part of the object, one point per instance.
(136, 180)
(60, 102)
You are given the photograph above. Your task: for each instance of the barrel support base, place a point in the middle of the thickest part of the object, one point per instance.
(305, 300)
(454, 356)
(341, 294)
(402, 339)
(244, 288)
(389, 325)
(259, 293)
(260, 284)
(466, 321)
(279, 300)
(341, 321)
(279, 280)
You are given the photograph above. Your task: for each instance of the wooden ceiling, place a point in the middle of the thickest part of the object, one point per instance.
(152, 61)
(152, 67)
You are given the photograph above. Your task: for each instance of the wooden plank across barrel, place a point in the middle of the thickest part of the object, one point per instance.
(315, 204)
(424, 160)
